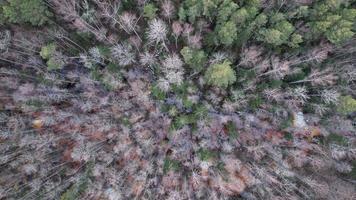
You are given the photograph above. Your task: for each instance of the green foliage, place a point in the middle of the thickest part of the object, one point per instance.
(333, 138)
(231, 130)
(182, 89)
(332, 21)
(95, 74)
(340, 32)
(55, 63)
(104, 50)
(300, 12)
(187, 103)
(288, 136)
(36, 104)
(352, 174)
(280, 33)
(149, 11)
(248, 20)
(53, 57)
(243, 16)
(347, 104)
(125, 121)
(295, 40)
(349, 14)
(209, 7)
(78, 188)
(288, 122)
(111, 79)
(206, 154)
(227, 33)
(276, 18)
(237, 95)
(240, 16)
(255, 102)
(48, 51)
(286, 28)
(226, 9)
(196, 59)
(272, 36)
(170, 164)
(199, 112)
(83, 39)
(173, 111)
(221, 75)
(88, 12)
(128, 4)
(193, 9)
(2, 16)
(158, 93)
(261, 20)
(181, 121)
(34, 12)
(253, 3)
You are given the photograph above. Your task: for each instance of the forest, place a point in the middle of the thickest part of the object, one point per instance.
(178, 99)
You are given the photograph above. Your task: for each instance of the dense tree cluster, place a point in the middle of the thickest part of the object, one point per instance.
(34, 12)
(177, 99)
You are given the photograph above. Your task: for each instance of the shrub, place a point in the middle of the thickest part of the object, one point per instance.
(280, 33)
(157, 31)
(221, 75)
(227, 33)
(123, 54)
(231, 130)
(206, 154)
(192, 9)
(34, 12)
(55, 60)
(170, 164)
(157, 93)
(149, 11)
(48, 51)
(347, 105)
(336, 24)
(196, 59)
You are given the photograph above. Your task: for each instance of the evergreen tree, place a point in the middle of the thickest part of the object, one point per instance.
(194, 58)
(221, 75)
(227, 33)
(149, 11)
(331, 20)
(34, 12)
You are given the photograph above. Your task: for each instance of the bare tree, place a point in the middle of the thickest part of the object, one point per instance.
(123, 54)
(273, 95)
(157, 32)
(250, 56)
(168, 9)
(195, 41)
(68, 10)
(177, 31)
(148, 59)
(5, 38)
(317, 54)
(296, 97)
(329, 96)
(128, 21)
(280, 68)
(318, 77)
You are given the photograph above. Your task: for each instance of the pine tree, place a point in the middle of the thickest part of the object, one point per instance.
(227, 33)
(221, 75)
(194, 58)
(149, 11)
(34, 12)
